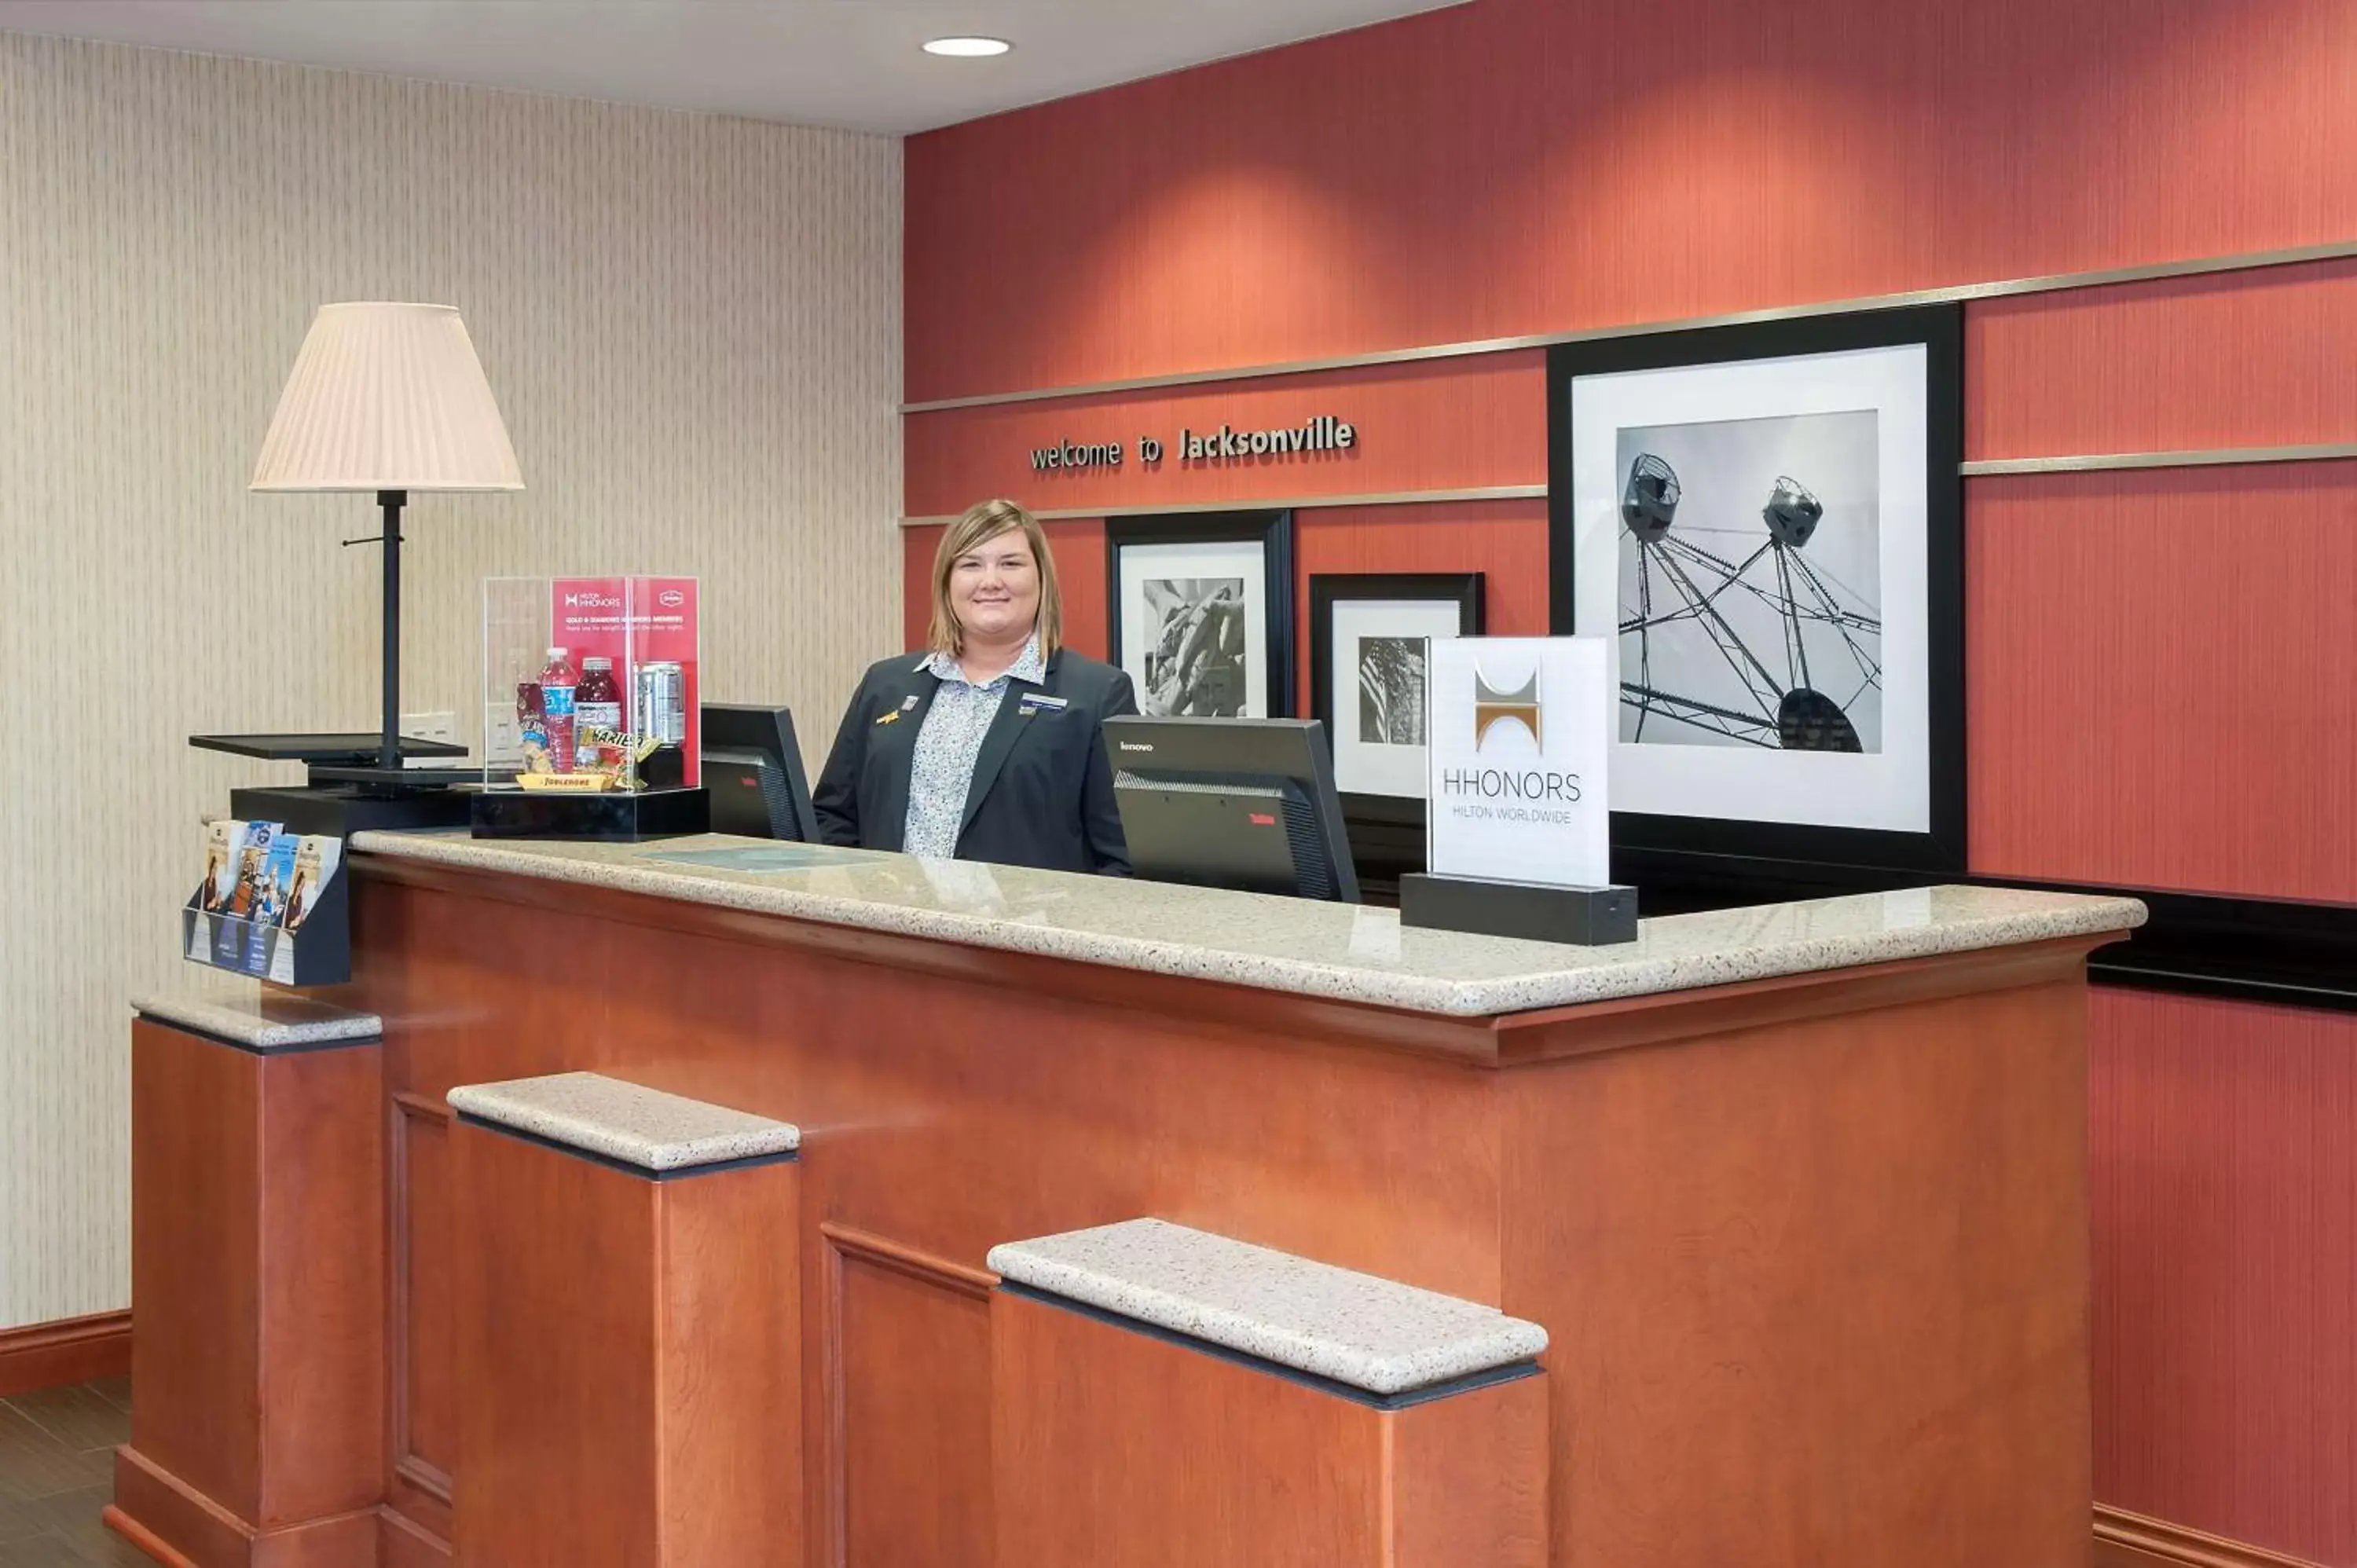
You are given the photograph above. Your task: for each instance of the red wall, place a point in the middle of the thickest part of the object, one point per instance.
(1529, 166)
(2162, 679)
(2162, 665)
(2225, 1268)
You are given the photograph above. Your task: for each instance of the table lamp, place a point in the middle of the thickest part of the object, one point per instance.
(391, 399)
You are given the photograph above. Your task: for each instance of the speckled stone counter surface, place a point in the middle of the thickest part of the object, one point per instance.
(626, 1122)
(1369, 1333)
(247, 1014)
(1348, 953)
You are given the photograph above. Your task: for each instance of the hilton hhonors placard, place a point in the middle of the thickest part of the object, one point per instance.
(1521, 734)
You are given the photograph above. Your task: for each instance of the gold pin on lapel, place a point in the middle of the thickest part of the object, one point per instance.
(891, 718)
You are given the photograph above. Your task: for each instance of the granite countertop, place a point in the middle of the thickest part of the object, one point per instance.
(1371, 1333)
(1335, 951)
(626, 1122)
(245, 1012)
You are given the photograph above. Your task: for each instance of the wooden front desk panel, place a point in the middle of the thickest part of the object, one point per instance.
(1235, 1462)
(629, 1356)
(1812, 1252)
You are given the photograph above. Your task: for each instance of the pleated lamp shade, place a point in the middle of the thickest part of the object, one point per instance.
(387, 397)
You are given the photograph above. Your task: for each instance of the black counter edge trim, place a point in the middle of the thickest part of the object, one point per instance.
(749, 1162)
(1513, 1371)
(2279, 952)
(2220, 985)
(300, 1048)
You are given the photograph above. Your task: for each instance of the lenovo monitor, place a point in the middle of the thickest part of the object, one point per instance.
(753, 772)
(1241, 803)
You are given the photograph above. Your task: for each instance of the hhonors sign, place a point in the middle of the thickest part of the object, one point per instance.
(1521, 731)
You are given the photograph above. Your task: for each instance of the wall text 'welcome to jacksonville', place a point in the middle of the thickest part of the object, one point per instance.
(1323, 433)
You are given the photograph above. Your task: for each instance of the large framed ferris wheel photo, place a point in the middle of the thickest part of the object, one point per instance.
(1766, 520)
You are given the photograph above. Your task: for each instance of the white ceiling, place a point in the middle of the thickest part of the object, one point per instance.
(851, 63)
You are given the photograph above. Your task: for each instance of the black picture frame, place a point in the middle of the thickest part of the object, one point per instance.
(1717, 861)
(1270, 531)
(1327, 589)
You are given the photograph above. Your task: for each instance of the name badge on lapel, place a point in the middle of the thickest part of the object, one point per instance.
(1038, 703)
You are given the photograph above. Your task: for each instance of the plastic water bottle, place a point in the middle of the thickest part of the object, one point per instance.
(597, 703)
(557, 684)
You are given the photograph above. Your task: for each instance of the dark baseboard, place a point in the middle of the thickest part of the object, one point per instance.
(72, 1350)
(2124, 1540)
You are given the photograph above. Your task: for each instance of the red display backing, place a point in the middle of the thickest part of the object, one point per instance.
(631, 620)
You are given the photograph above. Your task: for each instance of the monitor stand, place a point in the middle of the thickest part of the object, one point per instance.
(346, 793)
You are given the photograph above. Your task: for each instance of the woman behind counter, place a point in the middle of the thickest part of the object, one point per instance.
(989, 746)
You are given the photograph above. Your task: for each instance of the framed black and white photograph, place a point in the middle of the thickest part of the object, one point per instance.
(1766, 522)
(1367, 637)
(1201, 612)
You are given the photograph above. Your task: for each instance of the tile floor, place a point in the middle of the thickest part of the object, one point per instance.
(57, 1473)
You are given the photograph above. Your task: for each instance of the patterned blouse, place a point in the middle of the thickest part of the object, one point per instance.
(942, 771)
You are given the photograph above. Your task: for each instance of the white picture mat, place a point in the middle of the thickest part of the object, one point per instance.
(1141, 564)
(1888, 791)
(1365, 768)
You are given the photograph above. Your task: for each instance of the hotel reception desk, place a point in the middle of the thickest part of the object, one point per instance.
(1795, 1197)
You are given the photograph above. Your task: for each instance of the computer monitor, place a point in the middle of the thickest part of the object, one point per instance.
(753, 771)
(1242, 803)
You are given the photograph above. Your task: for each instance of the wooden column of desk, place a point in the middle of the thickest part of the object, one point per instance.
(1811, 1249)
(257, 1284)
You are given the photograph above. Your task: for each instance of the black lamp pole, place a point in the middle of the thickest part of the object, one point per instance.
(392, 501)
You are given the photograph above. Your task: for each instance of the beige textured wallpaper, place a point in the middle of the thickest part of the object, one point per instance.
(692, 324)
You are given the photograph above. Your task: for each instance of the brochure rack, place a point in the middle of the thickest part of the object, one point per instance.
(317, 949)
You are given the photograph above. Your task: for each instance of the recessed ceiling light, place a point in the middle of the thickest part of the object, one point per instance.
(967, 49)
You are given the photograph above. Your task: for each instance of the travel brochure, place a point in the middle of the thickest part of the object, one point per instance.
(261, 884)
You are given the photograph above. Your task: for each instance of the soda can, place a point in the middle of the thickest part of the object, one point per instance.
(662, 701)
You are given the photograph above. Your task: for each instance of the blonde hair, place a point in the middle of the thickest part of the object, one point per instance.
(981, 524)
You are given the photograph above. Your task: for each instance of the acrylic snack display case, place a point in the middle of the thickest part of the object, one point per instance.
(590, 698)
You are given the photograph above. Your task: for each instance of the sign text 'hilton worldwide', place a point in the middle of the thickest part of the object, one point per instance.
(1323, 433)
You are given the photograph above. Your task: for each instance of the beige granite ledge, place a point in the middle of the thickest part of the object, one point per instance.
(1359, 1329)
(258, 1019)
(1332, 950)
(626, 1122)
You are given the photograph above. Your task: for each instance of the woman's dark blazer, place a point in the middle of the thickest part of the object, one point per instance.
(1043, 792)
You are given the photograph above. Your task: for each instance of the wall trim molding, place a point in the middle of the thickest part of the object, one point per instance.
(2055, 282)
(1285, 503)
(68, 1351)
(2214, 458)
(2124, 1540)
